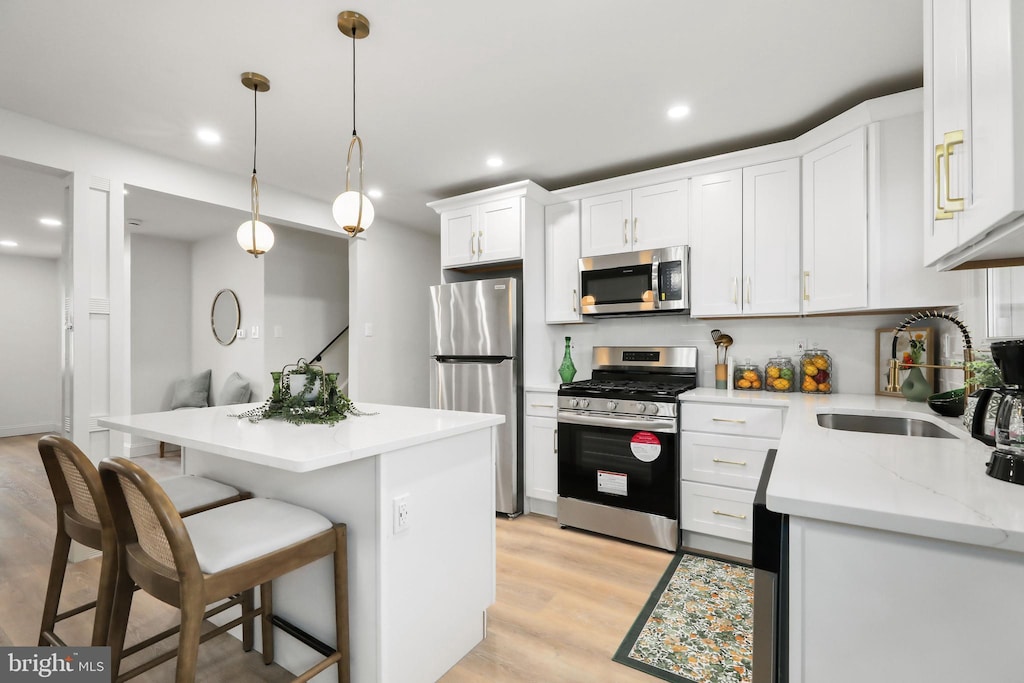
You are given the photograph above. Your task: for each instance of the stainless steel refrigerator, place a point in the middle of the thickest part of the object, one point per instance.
(475, 337)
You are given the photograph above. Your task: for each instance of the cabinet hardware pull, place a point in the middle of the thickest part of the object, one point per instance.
(940, 212)
(734, 282)
(555, 439)
(956, 137)
(725, 419)
(748, 289)
(625, 231)
(541, 405)
(472, 244)
(742, 463)
(636, 230)
(574, 297)
(807, 285)
(480, 241)
(729, 514)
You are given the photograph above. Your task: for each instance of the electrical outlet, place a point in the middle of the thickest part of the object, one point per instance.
(800, 344)
(401, 513)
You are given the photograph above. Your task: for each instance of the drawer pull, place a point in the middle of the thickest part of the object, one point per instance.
(541, 405)
(725, 419)
(741, 463)
(728, 514)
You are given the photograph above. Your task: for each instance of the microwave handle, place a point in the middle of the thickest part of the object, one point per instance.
(656, 280)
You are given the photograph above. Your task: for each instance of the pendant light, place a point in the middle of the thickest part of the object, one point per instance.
(254, 235)
(352, 210)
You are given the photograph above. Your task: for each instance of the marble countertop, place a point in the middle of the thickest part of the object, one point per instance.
(304, 448)
(929, 487)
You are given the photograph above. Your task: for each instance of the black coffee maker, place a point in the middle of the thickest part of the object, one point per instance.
(1007, 461)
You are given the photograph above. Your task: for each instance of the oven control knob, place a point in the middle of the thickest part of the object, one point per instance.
(653, 408)
(612, 405)
(584, 402)
(574, 403)
(640, 407)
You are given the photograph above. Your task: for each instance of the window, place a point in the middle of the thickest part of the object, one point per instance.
(1006, 302)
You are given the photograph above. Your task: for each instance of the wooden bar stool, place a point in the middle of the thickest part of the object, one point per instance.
(83, 516)
(212, 555)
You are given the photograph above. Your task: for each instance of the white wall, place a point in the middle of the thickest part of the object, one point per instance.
(389, 272)
(161, 312)
(218, 263)
(29, 345)
(306, 295)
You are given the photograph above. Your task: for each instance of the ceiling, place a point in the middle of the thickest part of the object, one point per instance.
(565, 92)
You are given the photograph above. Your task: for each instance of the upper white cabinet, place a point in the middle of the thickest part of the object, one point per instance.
(487, 226)
(632, 220)
(561, 262)
(835, 225)
(745, 227)
(974, 131)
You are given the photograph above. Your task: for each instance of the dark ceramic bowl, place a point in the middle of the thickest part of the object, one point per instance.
(948, 403)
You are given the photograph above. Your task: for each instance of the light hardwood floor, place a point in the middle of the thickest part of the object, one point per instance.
(565, 598)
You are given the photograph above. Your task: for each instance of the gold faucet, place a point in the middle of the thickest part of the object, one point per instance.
(895, 365)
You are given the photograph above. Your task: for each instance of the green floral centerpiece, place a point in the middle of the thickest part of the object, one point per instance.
(304, 394)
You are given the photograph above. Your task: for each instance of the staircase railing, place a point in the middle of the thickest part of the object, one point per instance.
(318, 357)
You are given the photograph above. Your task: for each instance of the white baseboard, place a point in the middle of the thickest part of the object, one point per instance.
(142, 446)
(21, 430)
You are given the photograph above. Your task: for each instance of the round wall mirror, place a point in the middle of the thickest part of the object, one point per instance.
(225, 316)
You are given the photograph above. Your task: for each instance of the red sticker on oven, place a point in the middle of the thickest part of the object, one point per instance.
(645, 446)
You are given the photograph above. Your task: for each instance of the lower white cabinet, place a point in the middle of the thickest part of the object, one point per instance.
(540, 452)
(722, 449)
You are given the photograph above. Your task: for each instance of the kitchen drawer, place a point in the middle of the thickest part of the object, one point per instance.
(717, 511)
(729, 418)
(726, 460)
(541, 403)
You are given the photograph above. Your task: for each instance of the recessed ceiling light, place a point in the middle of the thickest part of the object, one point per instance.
(495, 162)
(51, 222)
(208, 136)
(679, 111)
(374, 193)
(8, 243)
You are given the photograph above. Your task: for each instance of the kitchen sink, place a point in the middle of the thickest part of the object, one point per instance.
(882, 424)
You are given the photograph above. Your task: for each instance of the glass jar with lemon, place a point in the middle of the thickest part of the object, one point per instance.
(747, 377)
(816, 369)
(779, 374)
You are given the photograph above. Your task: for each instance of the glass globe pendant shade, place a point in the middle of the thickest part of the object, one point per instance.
(261, 243)
(346, 212)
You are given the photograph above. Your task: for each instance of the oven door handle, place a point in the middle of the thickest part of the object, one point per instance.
(666, 426)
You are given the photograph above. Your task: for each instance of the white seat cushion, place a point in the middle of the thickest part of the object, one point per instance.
(188, 492)
(232, 534)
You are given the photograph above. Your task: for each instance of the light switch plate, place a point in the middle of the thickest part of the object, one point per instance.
(240, 333)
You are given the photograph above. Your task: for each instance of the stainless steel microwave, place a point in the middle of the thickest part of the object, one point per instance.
(637, 282)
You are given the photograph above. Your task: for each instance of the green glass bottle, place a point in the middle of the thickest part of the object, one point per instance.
(567, 370)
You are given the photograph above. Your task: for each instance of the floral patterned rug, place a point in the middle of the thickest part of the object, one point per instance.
(697, 625)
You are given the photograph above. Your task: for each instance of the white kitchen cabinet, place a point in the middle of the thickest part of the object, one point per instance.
(540, 449)
(974, 132)
(458, 236)
(745, 227)
(486, 233)
(561, 263)
(632, 220)
(722, 450)
(835, 225)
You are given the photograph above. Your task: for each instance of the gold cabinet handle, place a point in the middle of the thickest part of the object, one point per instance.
(748, 289)
(625, 231)
(472, 244)
(741, 463)
(940, 212)
(636, 230)
(950, 140)
(734, 287)
(728, 514)
(574, 298)
(541, 405)
(725, 419)
(807, 285)
(480, 241)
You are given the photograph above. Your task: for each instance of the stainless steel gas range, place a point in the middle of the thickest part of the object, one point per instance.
(618, 444)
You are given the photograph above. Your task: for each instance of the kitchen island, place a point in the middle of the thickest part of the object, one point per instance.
(418, 594)
(905, 558)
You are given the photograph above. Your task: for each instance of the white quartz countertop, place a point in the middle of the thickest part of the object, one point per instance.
(924, 486)
(304, 448)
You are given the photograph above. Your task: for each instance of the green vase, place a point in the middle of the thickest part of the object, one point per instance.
(567, 370)
(915, 387)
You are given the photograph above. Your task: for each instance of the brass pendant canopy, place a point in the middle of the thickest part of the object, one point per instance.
(353, 20)
(255, 81)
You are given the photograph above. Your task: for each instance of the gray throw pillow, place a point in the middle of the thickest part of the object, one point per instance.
(193, 392)
(236, 390)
